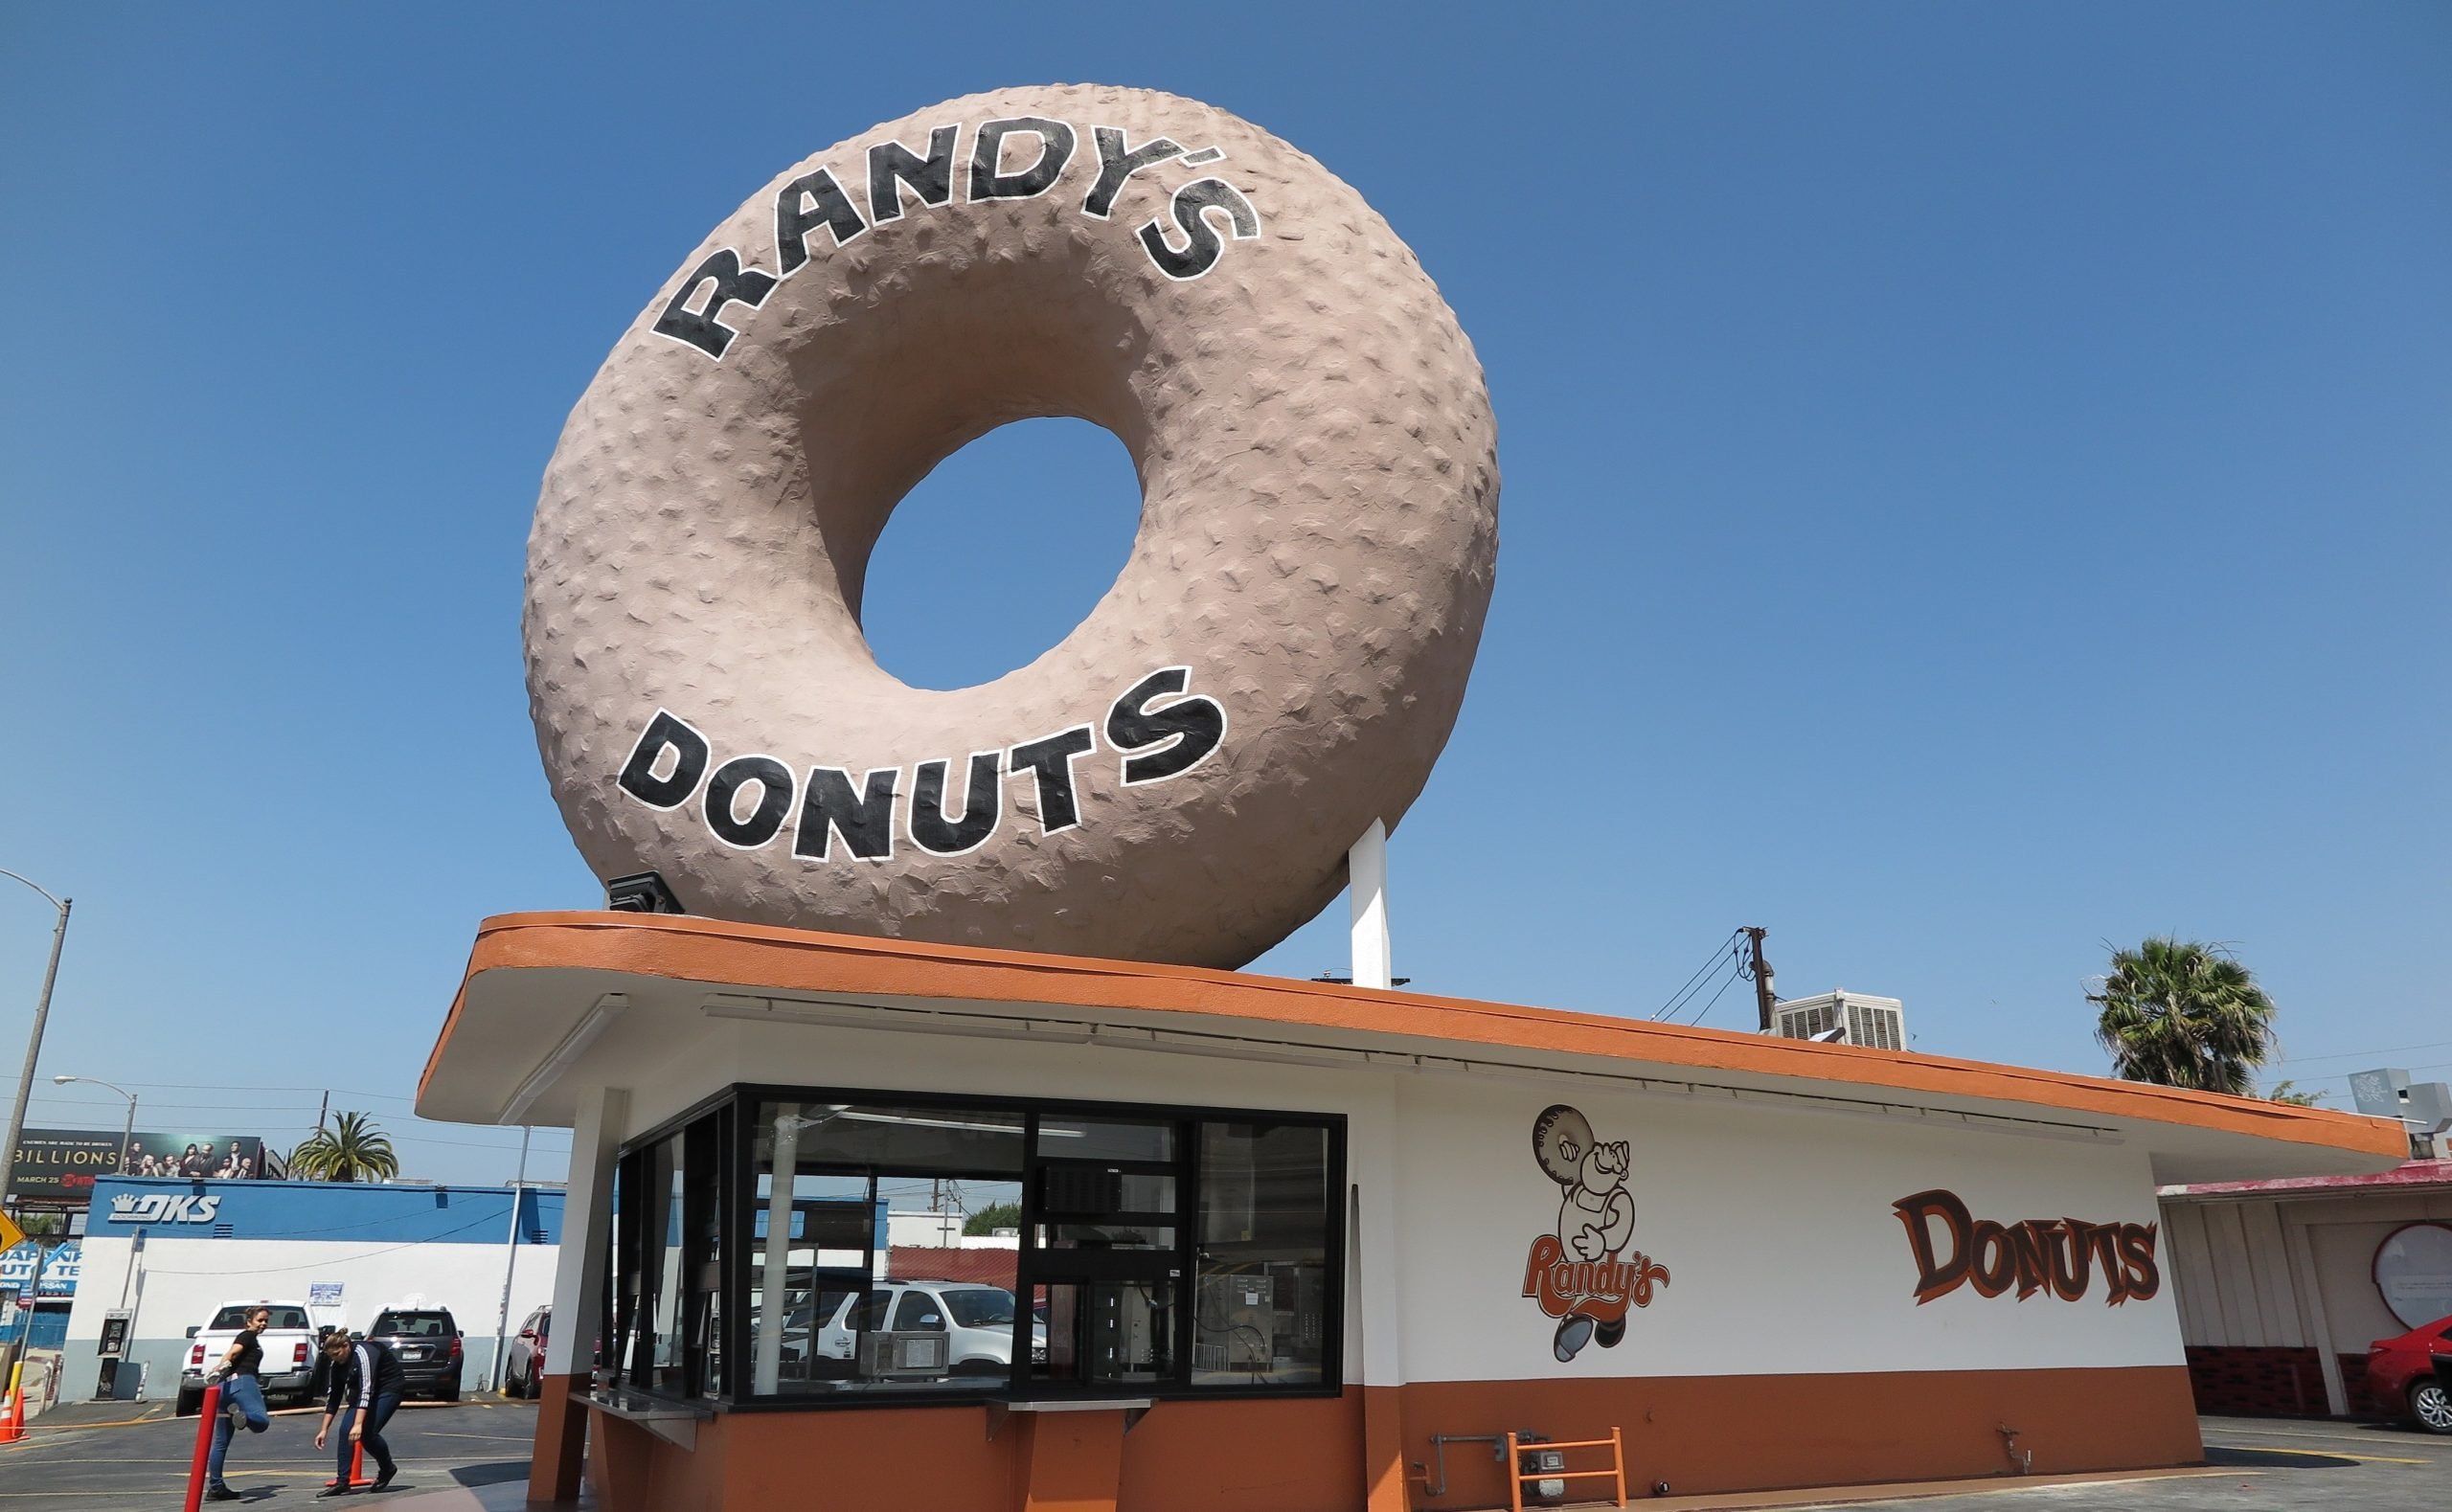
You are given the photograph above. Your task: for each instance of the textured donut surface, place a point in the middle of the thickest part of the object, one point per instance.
(1279, 663)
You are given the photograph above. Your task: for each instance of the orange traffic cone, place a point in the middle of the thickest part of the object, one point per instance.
(356, 1469)
(12, 1423)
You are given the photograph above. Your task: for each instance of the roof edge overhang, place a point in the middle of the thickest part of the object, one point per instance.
(751, 961)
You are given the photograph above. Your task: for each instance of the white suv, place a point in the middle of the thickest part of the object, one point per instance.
(976, 1319)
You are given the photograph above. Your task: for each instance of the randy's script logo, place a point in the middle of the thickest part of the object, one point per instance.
(1582, 1275)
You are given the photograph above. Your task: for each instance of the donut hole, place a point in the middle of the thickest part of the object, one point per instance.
(999, 551)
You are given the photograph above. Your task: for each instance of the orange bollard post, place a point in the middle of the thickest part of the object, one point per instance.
(13, 1411)
(212, 1414)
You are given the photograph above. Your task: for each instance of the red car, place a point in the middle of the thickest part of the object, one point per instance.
(2400, 1372)
(524, 1370)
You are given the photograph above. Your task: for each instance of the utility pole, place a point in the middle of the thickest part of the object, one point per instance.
(498, 1372)
(1761, 970)
(34, 1042)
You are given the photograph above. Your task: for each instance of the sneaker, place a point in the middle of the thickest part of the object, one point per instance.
(331, 1491)
(221, 1494)
(383, 1476)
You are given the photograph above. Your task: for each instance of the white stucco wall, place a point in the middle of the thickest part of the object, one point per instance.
(1777, 1225)
(183, 1281)
(1783, 1250)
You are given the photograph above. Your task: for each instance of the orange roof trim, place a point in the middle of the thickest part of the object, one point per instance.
(751, 956)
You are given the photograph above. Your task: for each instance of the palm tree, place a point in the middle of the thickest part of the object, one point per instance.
(352, 1149)
(2184, 1014)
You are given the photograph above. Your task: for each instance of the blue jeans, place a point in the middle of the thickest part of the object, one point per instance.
(376, 1415)
(248, 1395)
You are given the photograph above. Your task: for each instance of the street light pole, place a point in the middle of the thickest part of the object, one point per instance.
(34, 1044)
(498, 1371)
(127, 1130)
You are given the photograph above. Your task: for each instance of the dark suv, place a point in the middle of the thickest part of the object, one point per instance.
(429, 1344)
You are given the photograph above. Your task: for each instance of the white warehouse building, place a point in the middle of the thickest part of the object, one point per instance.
(171, 1253)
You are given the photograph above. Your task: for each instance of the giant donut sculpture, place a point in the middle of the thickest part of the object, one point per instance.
(1277, 664)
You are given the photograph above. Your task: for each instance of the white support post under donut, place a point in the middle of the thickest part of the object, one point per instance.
(1366, 870)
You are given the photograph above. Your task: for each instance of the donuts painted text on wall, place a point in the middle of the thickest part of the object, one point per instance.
(1043, 149)
(1276, 665)
(2054, 1256)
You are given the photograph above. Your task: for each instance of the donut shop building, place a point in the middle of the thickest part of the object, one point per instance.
(1284, 1245)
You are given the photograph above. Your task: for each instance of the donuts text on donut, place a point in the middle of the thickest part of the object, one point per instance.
(817, 202)
(1158, 728)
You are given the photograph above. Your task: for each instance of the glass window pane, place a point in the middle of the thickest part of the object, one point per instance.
(670, 1266)
(1105, 1236)
(863, 1215)
(914, 1139)
(1073, 1137)
(1065, 1187)
(1105, 1333)
(979, 1306)
(1260, 1286)
(703, 1152)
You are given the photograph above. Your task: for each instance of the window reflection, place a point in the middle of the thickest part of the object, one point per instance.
(1261, 1287)
(1105, 1333)
(863, 1278)
(1073, 1137)
(885, 1247)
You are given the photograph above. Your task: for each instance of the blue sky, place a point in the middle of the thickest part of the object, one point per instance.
(1976, 489)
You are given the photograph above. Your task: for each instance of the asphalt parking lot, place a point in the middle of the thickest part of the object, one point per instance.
(2262, 1463)
(138, 1465)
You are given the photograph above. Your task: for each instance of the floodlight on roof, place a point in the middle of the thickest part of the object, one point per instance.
(642, 893)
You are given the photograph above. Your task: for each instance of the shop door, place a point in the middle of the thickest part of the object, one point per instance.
(1102, 1257)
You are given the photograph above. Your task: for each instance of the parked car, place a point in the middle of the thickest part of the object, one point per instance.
(288, 1367)
(523, 1373)
(2401, 1375)
(428, 1344)
(977, 1318)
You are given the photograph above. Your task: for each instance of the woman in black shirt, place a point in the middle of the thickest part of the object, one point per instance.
(242, 1398)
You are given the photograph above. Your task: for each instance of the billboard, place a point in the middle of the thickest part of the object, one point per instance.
(54, 1164)
(58, 1272)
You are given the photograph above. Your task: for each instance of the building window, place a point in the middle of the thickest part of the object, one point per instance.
(859, 1283)
(1123, 1251)
(1261, 1286)
(665, 1275)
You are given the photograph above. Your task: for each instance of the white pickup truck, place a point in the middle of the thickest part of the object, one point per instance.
(288, 1346)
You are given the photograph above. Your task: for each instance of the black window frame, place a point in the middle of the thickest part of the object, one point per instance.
(705, 1225)
(736, 1107)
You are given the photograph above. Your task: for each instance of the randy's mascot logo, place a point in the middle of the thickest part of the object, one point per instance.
(1581, 1275)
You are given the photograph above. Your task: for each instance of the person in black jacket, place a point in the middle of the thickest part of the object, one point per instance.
(367, 1385)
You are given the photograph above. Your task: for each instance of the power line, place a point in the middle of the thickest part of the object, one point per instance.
(224, 1086)
(1732, 963)
(1711, 961)
(2389, 1050)
(1715, 997)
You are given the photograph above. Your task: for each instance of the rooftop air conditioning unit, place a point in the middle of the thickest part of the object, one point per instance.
(2424, 1108)
(1843, 1018)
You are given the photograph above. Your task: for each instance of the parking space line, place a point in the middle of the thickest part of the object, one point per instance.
(2321, 1454)
(2328, 1436)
